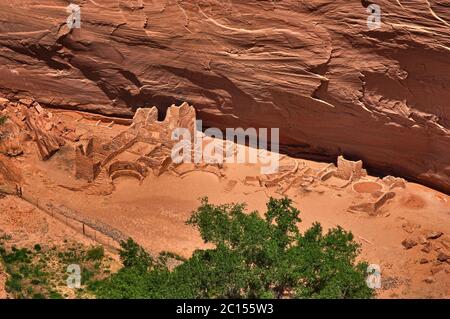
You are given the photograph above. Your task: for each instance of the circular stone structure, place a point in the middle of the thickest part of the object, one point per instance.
(367, 187)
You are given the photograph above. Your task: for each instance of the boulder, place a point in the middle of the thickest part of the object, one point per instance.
(434, 235)
(409, 243)
(427, 248)
(442, 257)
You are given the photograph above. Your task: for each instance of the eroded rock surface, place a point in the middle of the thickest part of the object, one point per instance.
(311, 68)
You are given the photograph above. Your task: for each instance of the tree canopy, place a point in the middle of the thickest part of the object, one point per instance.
(253, 257)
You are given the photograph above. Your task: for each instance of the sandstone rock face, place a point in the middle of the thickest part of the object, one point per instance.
(312, 68)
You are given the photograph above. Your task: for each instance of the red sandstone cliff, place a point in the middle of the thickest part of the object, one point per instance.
(311, 68)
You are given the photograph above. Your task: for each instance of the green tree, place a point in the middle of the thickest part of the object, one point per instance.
(254, 257)
(134, 256)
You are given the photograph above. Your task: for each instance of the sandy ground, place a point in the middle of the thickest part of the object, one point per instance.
(154, 212)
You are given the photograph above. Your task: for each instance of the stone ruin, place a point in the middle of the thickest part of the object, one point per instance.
(349, 170)
(298, 175)
(370, 194)
(87, 159)
(27, 121)
(144, 147)
(47, 143)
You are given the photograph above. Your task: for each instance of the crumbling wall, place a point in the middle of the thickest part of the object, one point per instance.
(91, 157)
(148, 128)
(88, 159)
(349, 170)
(129, 166)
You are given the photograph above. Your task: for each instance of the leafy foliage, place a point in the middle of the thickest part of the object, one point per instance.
(253, 257)
(41, 273)
(133, 255)
(95, 253)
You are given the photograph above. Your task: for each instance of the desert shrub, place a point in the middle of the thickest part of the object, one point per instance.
(35, 282)
(25, 270)
(14, 283)
(5, 237)
(40, 273)
(95, 253)
(253, 257)
(55, 295)
(3, 119)
(17, 256)
(134, 256)
(165, 255)
(86, 275)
